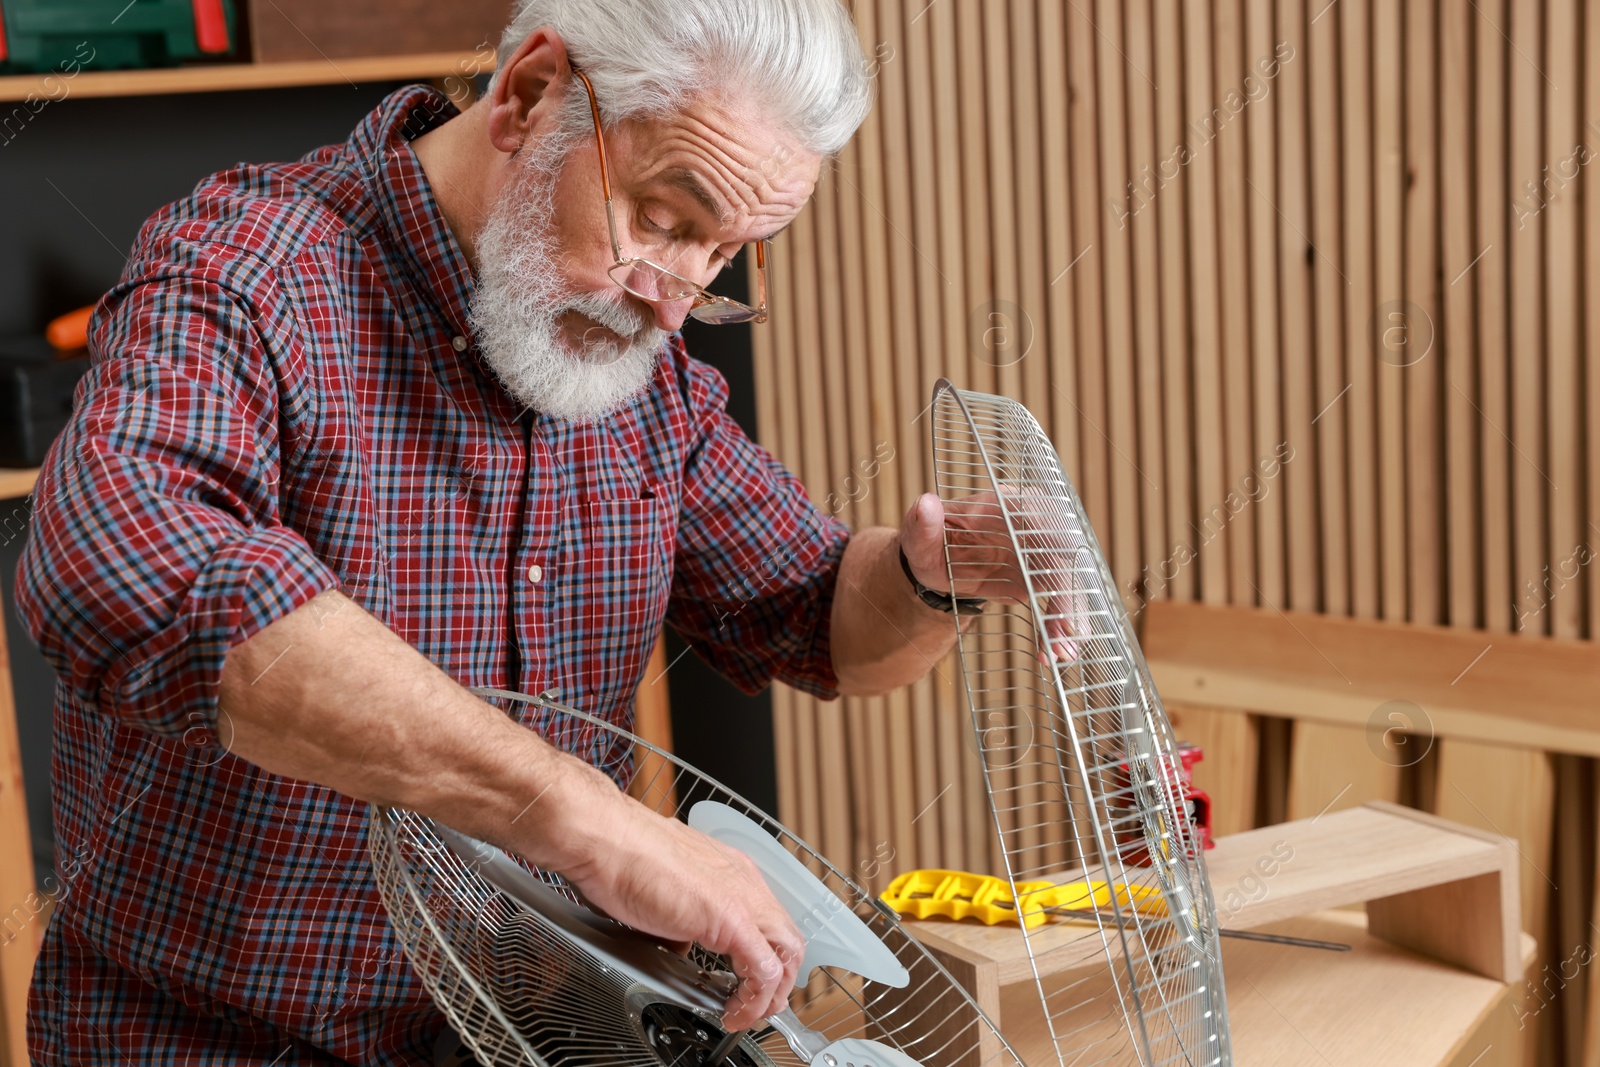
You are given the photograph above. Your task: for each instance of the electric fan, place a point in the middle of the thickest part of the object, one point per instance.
(528, 974)
(1078, 757)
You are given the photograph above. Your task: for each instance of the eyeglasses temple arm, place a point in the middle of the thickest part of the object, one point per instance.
(600, 150)
(611, 222)
(761, 281)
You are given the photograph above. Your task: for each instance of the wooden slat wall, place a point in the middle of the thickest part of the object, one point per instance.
(1196, 237)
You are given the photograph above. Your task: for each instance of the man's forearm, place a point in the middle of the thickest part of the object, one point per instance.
(329, 694)
(882, 635)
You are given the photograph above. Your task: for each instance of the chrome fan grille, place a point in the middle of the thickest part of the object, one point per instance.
(1079, 760)
(520, 995)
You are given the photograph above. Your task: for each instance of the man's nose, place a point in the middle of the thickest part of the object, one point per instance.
(670, 314)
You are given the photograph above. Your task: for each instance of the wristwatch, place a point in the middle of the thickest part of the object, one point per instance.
(948, 603)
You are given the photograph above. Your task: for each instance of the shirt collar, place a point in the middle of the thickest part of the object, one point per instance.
(404, 199)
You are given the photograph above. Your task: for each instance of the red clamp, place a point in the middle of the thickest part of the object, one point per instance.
(1199, 802)
(1130, 834)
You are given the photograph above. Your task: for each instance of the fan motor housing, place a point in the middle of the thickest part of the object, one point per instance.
(683, 1037)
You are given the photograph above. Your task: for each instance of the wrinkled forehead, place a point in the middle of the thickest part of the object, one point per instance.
(740, 171)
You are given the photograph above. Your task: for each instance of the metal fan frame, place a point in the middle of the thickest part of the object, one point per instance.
(438, 965)
(1144, 697)
(393, 873)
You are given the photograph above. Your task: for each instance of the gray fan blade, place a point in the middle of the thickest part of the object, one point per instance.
(835, 935)
(814, 1048)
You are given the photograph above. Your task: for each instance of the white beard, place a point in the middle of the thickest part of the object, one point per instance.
(520, 297)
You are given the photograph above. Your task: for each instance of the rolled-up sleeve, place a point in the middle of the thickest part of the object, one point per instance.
(156, 542)
(756, 561)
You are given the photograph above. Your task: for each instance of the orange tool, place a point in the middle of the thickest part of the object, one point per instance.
(70, 332)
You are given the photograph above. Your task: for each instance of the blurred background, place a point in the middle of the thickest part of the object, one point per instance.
(1304, 293)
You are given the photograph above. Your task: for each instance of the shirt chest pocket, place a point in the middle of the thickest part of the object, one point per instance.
(609, 602)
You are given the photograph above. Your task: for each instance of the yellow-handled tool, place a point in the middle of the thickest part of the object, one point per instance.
(963, 895)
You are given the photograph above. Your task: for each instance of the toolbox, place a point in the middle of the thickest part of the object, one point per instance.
(66, 36)
(284, 30)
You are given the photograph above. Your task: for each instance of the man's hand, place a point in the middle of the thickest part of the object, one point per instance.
(665, 878)
(983, 559)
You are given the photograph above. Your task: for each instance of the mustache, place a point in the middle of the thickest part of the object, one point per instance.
(615, 313)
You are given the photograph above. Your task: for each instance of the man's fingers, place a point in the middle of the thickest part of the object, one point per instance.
(792, 952)
(789, 948)
(698, 889)
(1058, 651)
(763, 942)
(777, 926)
(922, 538)
(762, 988)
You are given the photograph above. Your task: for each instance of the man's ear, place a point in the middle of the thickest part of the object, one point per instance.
(528, 91)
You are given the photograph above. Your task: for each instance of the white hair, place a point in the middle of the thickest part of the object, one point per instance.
(798, 63)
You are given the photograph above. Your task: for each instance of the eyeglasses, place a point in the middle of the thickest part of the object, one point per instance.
(655, 283)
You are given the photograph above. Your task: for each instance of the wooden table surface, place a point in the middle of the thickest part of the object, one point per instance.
(1375, 1006)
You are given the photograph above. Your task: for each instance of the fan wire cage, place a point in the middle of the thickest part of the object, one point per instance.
(1078, 757)
(519, 994)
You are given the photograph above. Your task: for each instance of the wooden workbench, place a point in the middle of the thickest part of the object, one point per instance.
(1375, 1006)
(1435, 959)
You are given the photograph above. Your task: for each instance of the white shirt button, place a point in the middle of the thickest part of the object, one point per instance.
(535, 572)
(458, 343)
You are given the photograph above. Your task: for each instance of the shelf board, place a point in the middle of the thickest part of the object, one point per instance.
(227, 76)
(15, 482)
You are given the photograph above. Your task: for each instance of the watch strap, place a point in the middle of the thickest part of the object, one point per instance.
(948, 603)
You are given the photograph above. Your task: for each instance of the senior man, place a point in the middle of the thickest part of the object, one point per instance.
(407, 416)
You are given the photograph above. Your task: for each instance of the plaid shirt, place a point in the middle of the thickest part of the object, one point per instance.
(285, 399)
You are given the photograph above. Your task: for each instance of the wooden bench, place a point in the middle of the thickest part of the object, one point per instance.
(1304, 714)
(1448, 893)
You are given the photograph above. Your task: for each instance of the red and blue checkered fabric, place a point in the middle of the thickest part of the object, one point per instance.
(281, 403)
